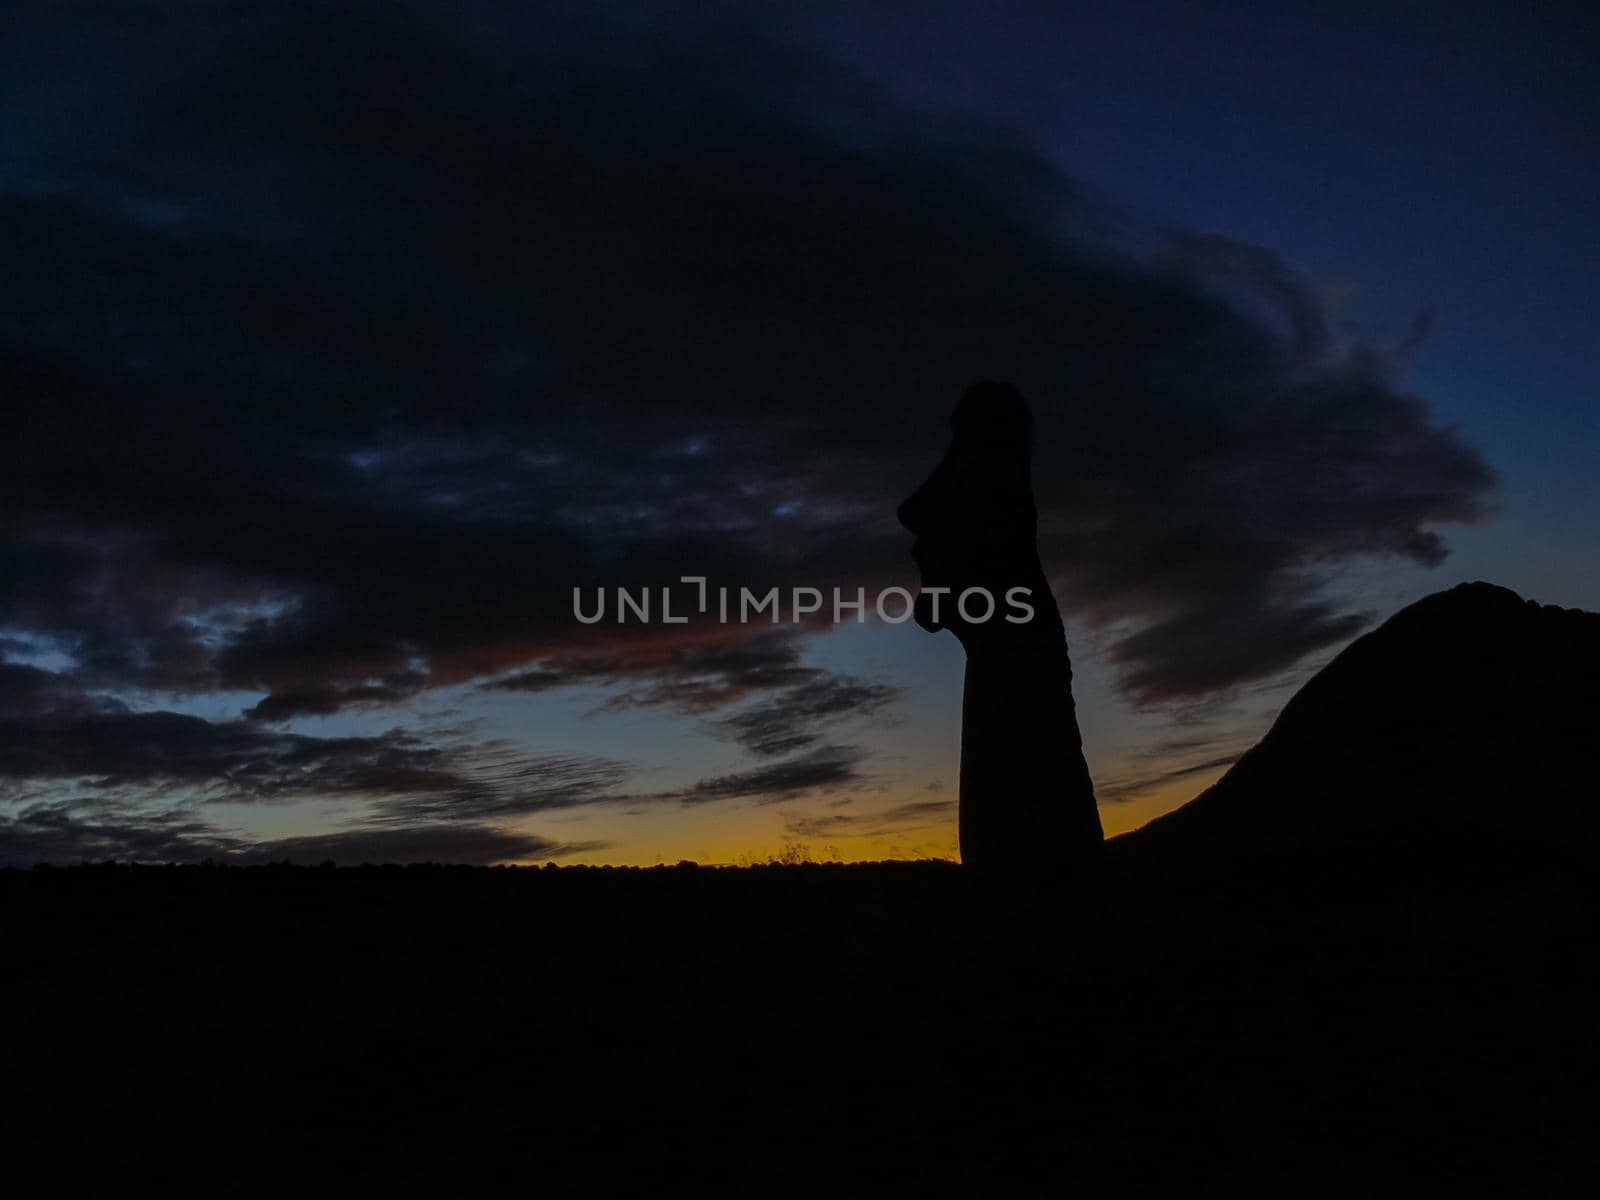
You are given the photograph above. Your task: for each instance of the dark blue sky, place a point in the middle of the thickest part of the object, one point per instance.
(1429, 158)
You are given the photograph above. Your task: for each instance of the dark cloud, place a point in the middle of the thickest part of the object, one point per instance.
(66, 833)
(506, 782)
(822, 769)
(61, 833)
(1201, 736)
(902, 818)
(111, 747)
(793, 718)
(314, 701)
(25, 691)
(691, 671)
(51, 733)
(1197, 651)
(1130, 787)
(341, 342)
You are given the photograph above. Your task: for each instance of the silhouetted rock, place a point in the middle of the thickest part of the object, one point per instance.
(1467, 723)
(1027, 801)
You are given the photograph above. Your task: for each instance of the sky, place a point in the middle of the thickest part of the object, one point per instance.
(341, 343)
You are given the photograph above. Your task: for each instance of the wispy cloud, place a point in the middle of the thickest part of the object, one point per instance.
(794, 718)
(901, 818)
(66, 832)
(1123, 788)
(823, 769)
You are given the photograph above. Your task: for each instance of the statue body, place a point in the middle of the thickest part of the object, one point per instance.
(1027, 803)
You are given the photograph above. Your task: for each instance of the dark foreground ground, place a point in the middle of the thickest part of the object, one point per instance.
(1175, 1019)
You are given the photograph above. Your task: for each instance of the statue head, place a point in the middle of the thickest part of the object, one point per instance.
(974, 519)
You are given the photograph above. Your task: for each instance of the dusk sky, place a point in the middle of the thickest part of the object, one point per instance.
(341, 342)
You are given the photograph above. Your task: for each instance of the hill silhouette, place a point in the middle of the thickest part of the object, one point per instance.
(1464, 723)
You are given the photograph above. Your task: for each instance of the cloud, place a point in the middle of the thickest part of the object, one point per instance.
(823, 769)
(792, 719)
(64, 833)
(691, 671)
(329, 384)
(902, 818)
(504, 781)
(1199, 651)
(315, 701)
(1131, 787)
(114, 748)
(51, 733)
(57, 833)
(1201, 737)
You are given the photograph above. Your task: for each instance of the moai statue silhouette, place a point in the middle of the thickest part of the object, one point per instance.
(1027, 802)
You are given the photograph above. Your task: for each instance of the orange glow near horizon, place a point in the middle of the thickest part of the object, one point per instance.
(757, 835)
